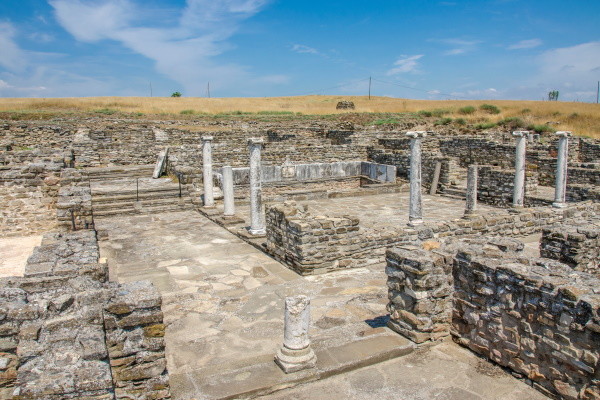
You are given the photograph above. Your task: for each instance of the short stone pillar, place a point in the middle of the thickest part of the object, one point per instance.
(519, 182)
(228, 198)
(561, 170)
(471, 203)
(257, 223)
(296, 353)
(207, 175)
(415, 211)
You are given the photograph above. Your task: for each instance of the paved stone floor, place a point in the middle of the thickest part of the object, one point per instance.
(383, 210)
(443, 372)
(14, 252)
(223, 306)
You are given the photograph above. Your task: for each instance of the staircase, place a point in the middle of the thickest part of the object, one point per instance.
(131, 190)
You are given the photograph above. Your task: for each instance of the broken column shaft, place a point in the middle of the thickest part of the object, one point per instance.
(471, 203)
(296, 353)
(519, 182)
(415, 212)
(257, 224)
(209, 199)
(560, 190)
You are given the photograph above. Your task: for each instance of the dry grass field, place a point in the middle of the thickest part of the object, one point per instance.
(581, 118)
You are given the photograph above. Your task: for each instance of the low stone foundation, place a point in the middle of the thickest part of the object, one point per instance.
(536, 316)
(575, 244)
(67, 333)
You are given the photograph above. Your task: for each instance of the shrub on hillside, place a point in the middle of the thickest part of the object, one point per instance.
(489, 108)
(466, 110)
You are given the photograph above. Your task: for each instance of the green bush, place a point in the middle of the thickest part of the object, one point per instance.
(438, 113)
(460, 121)
(275, 113)
(541, 128)
(424, 113)
(187, 112)
(442, 121)
(489, 108)
(176, 94)
(512, 122)
(106, 111)
(466, 110)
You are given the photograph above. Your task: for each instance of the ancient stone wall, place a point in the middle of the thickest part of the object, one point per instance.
(57, 322)
(134, 327)
(589, 150)
(74, 205)
(495, 186)
(419, 291)
(540, 319)
(29, 184)
(576, 244)
(579, 193)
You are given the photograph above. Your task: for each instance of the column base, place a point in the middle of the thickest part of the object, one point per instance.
(415, 222)
(471, 215)
(257, 232)
(559, 204)
(295, 360)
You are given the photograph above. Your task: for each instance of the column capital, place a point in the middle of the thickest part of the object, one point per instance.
(520, 133)
(563, 133)
(416, 134)
(254, 141)
(207, 138)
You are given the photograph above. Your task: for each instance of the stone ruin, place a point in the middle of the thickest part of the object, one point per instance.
(344, 105)
(68, 331)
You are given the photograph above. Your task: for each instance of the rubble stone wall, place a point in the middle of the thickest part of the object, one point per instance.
(29, 185)
(589, 150)
(540, 320)
(577, 193)
(495, 186)
(419, 291)
(60, 323)
(576, 244)
(74, 205)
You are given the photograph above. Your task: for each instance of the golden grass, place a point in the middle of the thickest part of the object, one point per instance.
(581, 118)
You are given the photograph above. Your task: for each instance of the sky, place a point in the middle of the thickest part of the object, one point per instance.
(473, 49)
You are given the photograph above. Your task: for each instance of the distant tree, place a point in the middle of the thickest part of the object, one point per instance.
(553, 95)
(176, 94)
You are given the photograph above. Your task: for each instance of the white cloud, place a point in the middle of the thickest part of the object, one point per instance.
(300, 48)
(460, 46)
(525, 44)
(12, 57)
(405, 64)
(184, 52)
(572, 70)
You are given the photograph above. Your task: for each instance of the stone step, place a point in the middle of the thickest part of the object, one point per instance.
(143, 203)
(98, 198)
(142, 210)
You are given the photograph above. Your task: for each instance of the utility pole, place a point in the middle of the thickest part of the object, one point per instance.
(208, 90)
(150, 89)
(369, 88)
(598, 93)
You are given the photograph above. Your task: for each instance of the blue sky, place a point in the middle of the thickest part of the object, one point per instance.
(476, 49)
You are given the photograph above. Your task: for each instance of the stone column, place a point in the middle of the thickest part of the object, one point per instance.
(228, 199)
(415, 212)
(560, 190)
(471, 204)
(209, 199)
(257, 224)
(296, 353)
(519, 182)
